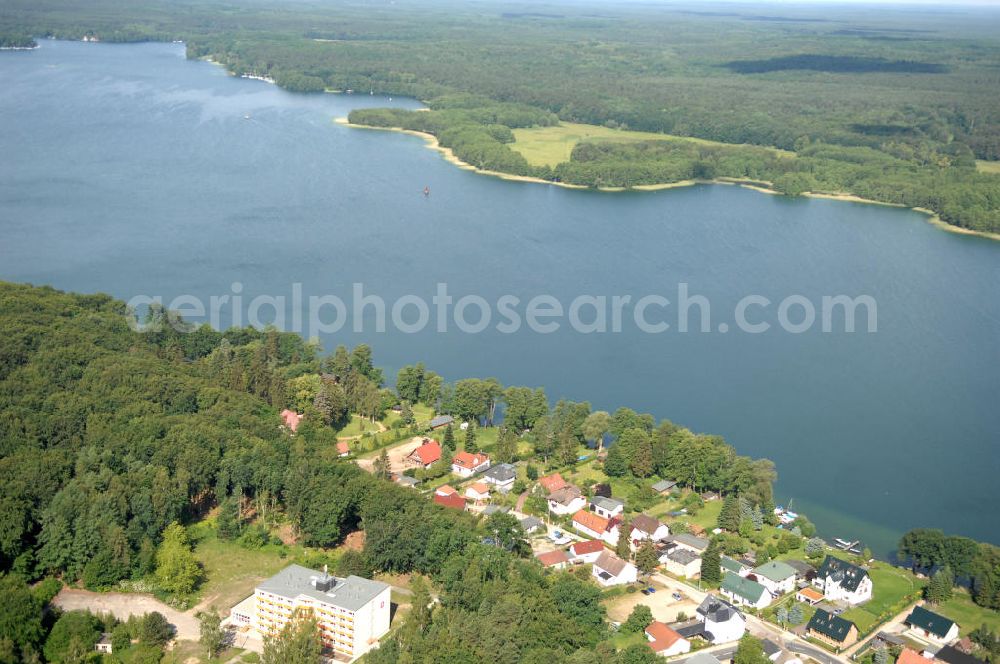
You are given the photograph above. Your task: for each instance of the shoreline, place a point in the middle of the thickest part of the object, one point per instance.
(931, 217)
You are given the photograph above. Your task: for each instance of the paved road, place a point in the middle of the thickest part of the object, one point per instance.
(123, 605)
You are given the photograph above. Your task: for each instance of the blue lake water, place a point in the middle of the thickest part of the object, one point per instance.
(130, 170)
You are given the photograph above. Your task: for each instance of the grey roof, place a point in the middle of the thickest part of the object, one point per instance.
(843, 573)
(441, 420)
(493, 509)
(690, 540)
(529, 522)
(349, 593)
(801, 567)
(609, 504)
(406, 480)
(717, 610)
(952, 655)
(770, 647)
(702, 658)
(664, 485)
(683, 556)
(688, 630)
(610, 563)
(503, 472)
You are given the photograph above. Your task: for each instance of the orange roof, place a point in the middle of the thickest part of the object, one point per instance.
(478, 487)
(811, 594)
(427, 453)
(445, 490)
(291, 419)
(911, 657)
(552, 482)
(343, 447)
(596, 523)
(469, 461)
(663, 636)
(551, 558)
(452, 500)
(588, 546)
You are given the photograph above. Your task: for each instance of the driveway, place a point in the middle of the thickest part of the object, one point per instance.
(123, 605)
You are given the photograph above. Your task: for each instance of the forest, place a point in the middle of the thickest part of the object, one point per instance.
(886, 104)
(113, 440)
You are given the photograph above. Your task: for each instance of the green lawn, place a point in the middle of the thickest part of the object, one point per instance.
(231, 571)
(550, 146)
(357, 426)
(622, 640)
(889, 586)
(967, 614)
(982, 166)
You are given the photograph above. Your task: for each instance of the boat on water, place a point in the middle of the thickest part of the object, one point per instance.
(427, 191)
(850, 547)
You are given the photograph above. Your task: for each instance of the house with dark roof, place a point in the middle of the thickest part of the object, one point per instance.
(407, 481)
(803, 570)
(531, 524)
(837, 631)
(841, 581)
(952, 655)
(723, 622)
(741, 591)
(441, 421)
(610, 570)
(688, 541)
(645, 527)
(501, 476)
(665, 641)
(926, 624)
(664, 486)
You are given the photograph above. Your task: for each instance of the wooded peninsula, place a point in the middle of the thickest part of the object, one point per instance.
(899, 108)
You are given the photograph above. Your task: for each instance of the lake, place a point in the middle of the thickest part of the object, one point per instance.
(130, 170)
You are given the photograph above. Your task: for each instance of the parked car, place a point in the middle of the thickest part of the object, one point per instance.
(677, 597)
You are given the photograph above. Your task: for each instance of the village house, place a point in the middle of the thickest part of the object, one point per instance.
(777, 654)
(501, 476)
(664, 641)
(841, 581)
(352, 613)
(556, 559)
(610, 570)
(688, 541)
(103, 644)
(531, 524)
(741, 591)
(566, 500)
(453, 501)
(441, 421)
(493, 509)
(590, 524)
(837, 631)
(343, 449)
(646, 527)
(803, 570)
(552, 482)
(606, 507)
(926, 624)
(737, 567)
(291, 419)
(587, 551)
(681, 562)
(723, 622)
(407, 481)
(425, 455)
(664, 487)
(465, 464)
(702, 658)
(777, 576)
(445, 490)
(910, 656)
(477, 492)
(810, 596)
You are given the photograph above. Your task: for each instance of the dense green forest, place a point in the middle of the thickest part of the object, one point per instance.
(888, 104)
(110, 438)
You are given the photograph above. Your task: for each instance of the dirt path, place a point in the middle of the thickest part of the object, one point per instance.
(396, 455)
(123, 605)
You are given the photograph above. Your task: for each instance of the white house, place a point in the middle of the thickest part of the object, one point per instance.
(587, 551)
(566, 500)
(841, 581)
(741, 591)
(690, 542)
(501, 476)
(928, 625)
(610, 570)
(664, 641)
(682, 562)
(723, 621)
(477, 492)
(467, 465)
(606, 507)
(777, 576)
(646, 527)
